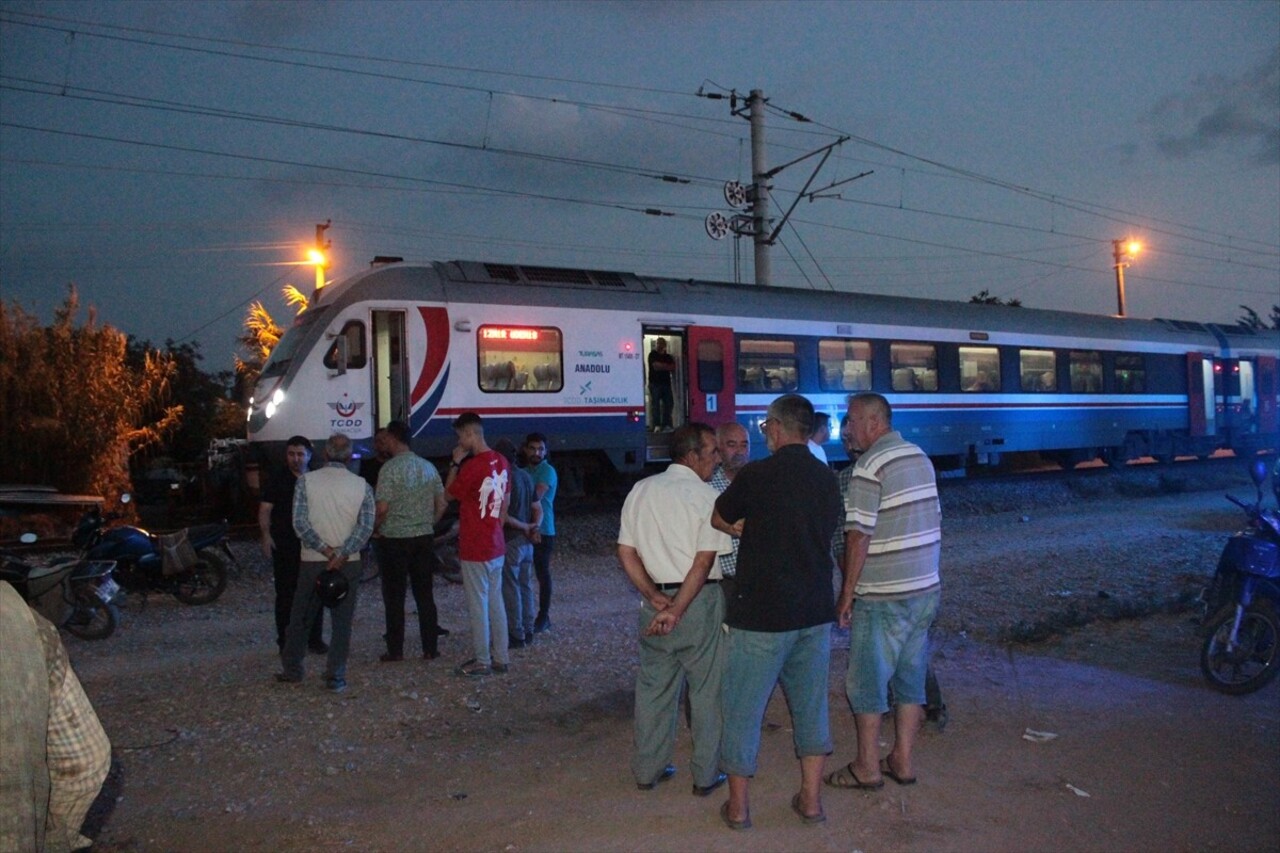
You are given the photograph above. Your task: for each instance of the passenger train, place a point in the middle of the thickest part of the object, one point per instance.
(564, 352)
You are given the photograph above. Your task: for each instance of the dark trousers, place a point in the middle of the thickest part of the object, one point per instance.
(408, 563)
(662, 402)
(285, 565)
(542, 568)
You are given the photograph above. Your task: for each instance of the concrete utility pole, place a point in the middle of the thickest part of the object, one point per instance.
(760, 189)
(1119, 250)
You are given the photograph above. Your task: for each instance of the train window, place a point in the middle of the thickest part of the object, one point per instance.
(767, 365)
(348, 351)
(1131, 374)
(519, 358)
(845, 365)
(1086, 372)
(914, 367)
(1038, 369)
(710, 367)
(979, 369)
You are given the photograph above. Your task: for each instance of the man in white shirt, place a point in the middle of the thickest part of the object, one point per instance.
(668, 549)
(821, 435)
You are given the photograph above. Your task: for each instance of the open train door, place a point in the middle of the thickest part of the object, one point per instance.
(712, 374)
(1200, 395)
(1266, 390)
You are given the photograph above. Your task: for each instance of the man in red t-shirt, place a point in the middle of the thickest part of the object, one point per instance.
(479, 479)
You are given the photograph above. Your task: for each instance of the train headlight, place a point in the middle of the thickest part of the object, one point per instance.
(278, 397)
(271, 409)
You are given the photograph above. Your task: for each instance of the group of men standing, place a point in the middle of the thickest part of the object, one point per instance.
(734, 562)
(320, 521)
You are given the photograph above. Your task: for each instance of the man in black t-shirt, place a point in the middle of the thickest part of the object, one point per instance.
(661, 366)
(785, 509)
(280, 544)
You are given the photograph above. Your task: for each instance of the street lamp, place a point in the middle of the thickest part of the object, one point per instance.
(1121, 249)
(317, 256)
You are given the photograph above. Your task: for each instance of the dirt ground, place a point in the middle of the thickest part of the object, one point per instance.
(213, 755)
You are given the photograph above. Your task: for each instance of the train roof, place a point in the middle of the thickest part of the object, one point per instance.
(476, 281)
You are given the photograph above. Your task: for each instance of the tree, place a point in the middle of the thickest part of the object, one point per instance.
(1250, 319)
(208, 410)
(74, 409)
(261, 334)
(985, 298)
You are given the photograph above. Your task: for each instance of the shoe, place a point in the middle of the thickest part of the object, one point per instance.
(285, 678)
(472, 669)
(846, 778)
(500, 668)
(705, 790)
(320, 648)
(889, 772)
(336, 685)
(387, 657)
(514, 643)
(730, 822)
(543, 624)
(442, 632)
(809, 819)
(667, 773)
(430, 655)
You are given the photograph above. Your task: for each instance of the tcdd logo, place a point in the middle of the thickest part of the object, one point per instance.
(346, 408)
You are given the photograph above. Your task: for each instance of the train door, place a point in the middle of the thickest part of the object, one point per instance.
(712, 374)
(390, 369)
(1200, 395)
(666, 400)
(1266, 388)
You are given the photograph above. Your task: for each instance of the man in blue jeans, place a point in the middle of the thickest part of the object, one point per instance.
(785, 510)
(893, 540)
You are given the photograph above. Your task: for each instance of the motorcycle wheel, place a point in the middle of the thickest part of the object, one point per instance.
(202, 584)
(1256, 658)
(91, 618)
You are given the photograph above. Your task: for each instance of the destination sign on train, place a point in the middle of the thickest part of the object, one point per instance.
(505, 334)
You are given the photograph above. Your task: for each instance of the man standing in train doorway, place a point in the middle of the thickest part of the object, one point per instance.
(661, 366)
(545, 483)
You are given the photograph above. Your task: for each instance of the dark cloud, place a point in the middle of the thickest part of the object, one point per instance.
(272, 20)
(1219, 111)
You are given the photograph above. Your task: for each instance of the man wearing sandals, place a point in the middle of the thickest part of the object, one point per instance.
(893, 538)
(668, 549)
(779, 615)
(479, 478)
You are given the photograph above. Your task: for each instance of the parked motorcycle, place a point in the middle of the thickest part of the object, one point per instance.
(85, 588)
(195, 573)
(1241, 650)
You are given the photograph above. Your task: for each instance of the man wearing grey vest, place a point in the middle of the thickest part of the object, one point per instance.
(333, 514)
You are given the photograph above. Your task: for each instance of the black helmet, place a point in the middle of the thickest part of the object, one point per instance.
(332, 587)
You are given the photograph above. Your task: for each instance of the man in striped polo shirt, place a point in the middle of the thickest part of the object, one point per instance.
(893, 538)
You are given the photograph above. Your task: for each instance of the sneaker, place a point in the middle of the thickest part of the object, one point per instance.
(286, 678)
(472, 669)
(336, 685)
(500, 668)
(318, 648)
(543, 624)
(430, 655)
(387, 657)
(515, 643)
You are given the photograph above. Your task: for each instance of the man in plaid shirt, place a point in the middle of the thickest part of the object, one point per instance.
(735, 451)
(54, 754)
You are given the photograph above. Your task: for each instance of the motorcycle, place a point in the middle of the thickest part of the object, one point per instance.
(86, 588)
(193, 572)
(1241, 651)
